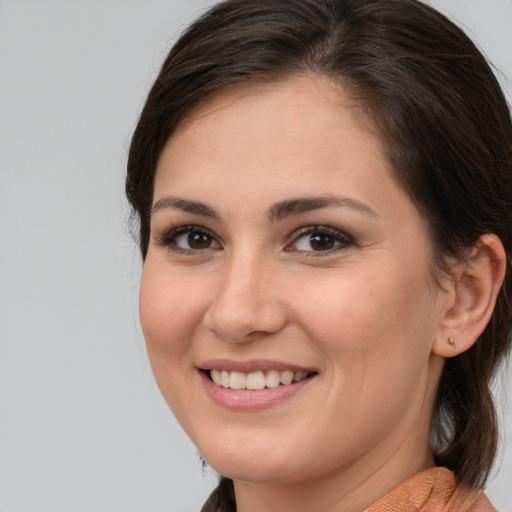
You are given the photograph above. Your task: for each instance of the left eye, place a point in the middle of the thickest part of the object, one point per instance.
(320, 239)
(189, 238)
(194, 240)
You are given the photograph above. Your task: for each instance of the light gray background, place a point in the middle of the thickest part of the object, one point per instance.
(82, 425)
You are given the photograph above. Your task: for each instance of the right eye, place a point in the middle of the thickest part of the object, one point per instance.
(187, 239)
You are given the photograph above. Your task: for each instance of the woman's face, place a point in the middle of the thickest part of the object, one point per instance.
(283, 250)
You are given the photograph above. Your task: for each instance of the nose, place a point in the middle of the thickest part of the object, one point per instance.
(246, 303)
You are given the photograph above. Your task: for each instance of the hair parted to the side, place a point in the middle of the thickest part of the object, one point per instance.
(447, 131)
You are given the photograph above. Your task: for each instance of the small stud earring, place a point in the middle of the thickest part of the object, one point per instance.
(451, 341)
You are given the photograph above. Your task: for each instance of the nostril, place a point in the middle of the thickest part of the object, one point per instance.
(243, 307)
(239, 324)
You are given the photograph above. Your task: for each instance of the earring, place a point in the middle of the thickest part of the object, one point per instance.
(451, 341)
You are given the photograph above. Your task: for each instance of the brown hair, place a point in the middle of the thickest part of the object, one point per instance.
(446, 127)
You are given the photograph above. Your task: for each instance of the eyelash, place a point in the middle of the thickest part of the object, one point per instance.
(340, 240)
(168, 239)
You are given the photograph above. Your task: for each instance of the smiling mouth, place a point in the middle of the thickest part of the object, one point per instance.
(257, 380)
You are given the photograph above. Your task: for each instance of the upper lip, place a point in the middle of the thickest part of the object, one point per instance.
(252, 365)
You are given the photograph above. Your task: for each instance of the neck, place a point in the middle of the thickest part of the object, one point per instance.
(349, 489)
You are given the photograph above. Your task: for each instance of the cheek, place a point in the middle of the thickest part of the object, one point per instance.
(368, 317)
(169, 311)
(374, 333)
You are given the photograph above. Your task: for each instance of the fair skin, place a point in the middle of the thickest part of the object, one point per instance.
(296, 251)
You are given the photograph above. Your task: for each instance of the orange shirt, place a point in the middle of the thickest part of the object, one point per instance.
(435, 490)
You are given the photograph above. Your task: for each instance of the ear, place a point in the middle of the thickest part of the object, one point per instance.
(471, 297)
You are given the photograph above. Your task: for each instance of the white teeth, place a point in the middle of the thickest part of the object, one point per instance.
(255, 380)
(272, 379)
(224, 379)
(299, 376)
(215, 375)
(238, 380)
(286, 378)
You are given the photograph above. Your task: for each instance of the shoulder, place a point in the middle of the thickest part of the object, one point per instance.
(435, 490)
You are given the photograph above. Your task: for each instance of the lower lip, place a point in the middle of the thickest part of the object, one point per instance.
(251, 400)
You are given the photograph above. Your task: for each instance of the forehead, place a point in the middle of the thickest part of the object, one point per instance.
(273, 116)
(301, 87)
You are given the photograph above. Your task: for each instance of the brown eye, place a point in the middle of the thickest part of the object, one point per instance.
(187, 239)
(320, 239)
(198, 240)
(322, 242)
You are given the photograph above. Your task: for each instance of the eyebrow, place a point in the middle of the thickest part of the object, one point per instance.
(186, 205)
(278, 211)
(299, 205)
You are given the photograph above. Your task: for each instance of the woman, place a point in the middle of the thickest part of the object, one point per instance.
(324, 190)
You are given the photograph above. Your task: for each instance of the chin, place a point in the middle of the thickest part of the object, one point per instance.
(251, 464)
(254, 472)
